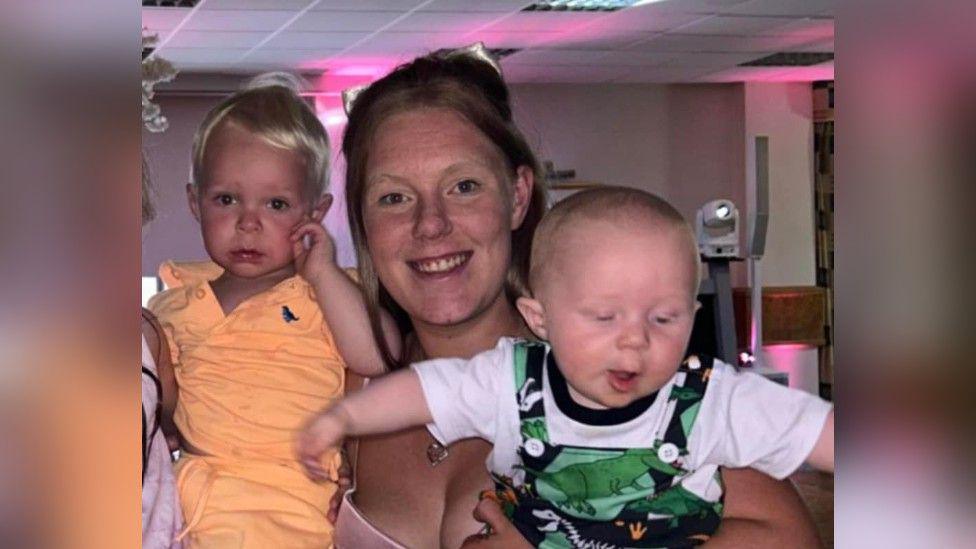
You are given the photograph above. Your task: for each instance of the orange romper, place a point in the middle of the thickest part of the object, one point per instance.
(247, 382)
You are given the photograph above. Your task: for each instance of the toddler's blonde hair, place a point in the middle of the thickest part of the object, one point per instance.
(270, 106)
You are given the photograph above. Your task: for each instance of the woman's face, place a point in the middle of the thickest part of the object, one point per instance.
(439, 207)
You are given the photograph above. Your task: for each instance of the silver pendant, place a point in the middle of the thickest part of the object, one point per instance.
(436, 453)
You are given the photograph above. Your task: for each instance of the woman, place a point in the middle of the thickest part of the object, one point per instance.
(443, 195)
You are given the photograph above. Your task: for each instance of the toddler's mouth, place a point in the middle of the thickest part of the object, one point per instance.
(442, 264)
(246, 254)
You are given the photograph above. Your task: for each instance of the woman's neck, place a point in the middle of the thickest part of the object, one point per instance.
(472, 336)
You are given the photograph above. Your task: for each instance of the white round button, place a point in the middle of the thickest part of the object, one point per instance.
(667, 452)
(534, 447)
(694, 363)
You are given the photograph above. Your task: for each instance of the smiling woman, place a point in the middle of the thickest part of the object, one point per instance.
(443, 197)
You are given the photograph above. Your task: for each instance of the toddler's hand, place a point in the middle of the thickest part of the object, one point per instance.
(318, 256)
(325, 430)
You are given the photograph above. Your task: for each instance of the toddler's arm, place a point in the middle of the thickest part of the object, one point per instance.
(822, 455)
(342, 302)
(387, 404)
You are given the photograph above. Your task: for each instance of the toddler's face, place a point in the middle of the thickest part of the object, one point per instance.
(617, 308)
(249, 204)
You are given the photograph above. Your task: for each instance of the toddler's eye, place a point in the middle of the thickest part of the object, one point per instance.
(278, 204)
(391, 199)
(224, 199)
(466, 186)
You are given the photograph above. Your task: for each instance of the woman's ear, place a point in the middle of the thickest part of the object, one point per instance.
(534, 315)
(193, 198)
(521, 194)
(321, 208)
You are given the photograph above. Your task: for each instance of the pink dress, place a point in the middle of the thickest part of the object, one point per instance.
(161, 516)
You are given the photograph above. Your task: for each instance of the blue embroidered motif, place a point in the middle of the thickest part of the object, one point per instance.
(287, 314)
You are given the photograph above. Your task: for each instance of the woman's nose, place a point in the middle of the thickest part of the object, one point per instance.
(431, 220)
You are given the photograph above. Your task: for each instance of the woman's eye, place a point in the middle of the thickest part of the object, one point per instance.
(391, 199)
(278, 204)
(224, 199)
(466, 186)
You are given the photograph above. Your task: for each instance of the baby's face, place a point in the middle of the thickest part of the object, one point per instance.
(249, 204)
(618, 309)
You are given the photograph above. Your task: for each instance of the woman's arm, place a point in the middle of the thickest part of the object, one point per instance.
(762, 512)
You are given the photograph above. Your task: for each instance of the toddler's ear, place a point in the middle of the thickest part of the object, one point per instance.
(321, 208)
(193, 200)
(534, 315)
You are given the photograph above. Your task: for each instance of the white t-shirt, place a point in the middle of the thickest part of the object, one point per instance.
(745, 420)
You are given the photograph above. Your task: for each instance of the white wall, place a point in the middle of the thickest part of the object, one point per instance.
(784, 112)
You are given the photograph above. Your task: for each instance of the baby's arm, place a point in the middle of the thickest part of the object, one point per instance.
(387, 404)
(342, 302)
(822, 455)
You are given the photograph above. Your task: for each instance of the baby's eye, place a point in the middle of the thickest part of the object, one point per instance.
(391, 199)
(663, 320)
(278, 204)
(466, 186)
(224, 199)
(605, 316)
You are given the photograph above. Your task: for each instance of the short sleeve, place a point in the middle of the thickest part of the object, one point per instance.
(747, 420)
(463, 395)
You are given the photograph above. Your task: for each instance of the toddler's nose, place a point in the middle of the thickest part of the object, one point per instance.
(248, 222)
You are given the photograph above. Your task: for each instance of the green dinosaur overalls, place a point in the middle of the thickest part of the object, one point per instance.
(602, 498)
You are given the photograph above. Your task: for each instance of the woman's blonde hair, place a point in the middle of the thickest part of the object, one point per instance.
(270, 107)
(472, 88)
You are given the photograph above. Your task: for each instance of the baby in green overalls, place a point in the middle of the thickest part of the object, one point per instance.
(604, 433)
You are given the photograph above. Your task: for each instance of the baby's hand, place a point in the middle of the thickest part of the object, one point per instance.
(325, 430)
(313, 260)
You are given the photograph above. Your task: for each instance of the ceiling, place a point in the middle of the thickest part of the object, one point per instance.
(664, 41)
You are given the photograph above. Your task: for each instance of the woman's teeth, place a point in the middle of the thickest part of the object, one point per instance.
(441, 265)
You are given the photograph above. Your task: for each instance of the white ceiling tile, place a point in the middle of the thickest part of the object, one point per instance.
(647, 20)
(711, 60)
(547, 21)
(495, 39)
(660, 75)
(314, 40)
(554, 57)
(818, 46)
(595, 39)
(290, 56)
(743, 74)
(392, 41)
(497, 6)
(735, 25)
(561, 74)
(367, 5)
(444, 22)
(633, 58)
(292, 5)
(784, 7)
(814, 28)
(345, 21)
(712, 43)
(216, 39)
(162, 19)
(201, 55)
(238, 20)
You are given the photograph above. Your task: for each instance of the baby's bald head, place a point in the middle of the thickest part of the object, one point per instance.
(620, 207)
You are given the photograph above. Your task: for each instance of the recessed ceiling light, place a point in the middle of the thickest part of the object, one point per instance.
(584, 5)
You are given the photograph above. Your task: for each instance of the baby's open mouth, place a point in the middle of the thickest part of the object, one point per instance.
(441, 264)
(621, 380)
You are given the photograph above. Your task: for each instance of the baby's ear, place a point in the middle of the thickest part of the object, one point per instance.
(534, 314)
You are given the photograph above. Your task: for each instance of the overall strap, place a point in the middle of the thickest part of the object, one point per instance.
(535, 450)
